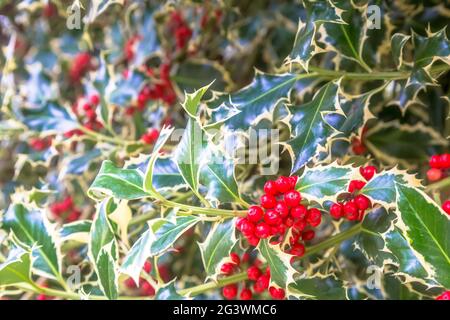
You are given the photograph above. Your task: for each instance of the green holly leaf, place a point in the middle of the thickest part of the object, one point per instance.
(139, 253)
(33, 230)
(310, 129)
(166, 175)
(426, 227)
(217, 247)
(120, 183)
(205, 72)
(103, 249)
(398, 42)
(305, 46)
(325, 182)
(79, 164)
(78, 231)
(16, 268)
(192, 101)
(433, 46)
(318, 287)
(281, 271)
(243, 109)
(169, 292)
(148, 45)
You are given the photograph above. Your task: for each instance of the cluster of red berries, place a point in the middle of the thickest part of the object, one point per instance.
(180, 29)
(40, 144)
(85, 109)
(260, 279)
(444, 296)
(145, 288)
(65, 210)
(281, 210)
(355, 205)
(439, 164)
(82, 63)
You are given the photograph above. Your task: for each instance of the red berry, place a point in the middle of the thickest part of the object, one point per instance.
(262, 283)
(268, 201)
(277, 293)
(355, 185)
(227, 268)
(255, 213)
(314, 217)
(246, 227)
(435, 162)
(129, 283)
(351, 211)
(253, 273)
(262, 230)
(446, 207)
(444, 296)
(270, 188)
(246, 294)
(298, 249)
(253, 240)
(272, 217)
(95, 99)
(289, 222)
(293, 181)
(283, 184)
(299, 212)
(235, 258)
(368, 172)
(299, 225)
(230, 291)
(337, 211)
(434, 174)
(358, 146)
(308, 235)
(147, 267)
(444, 160)
(362, 202)
(292, 198)
(282, 209)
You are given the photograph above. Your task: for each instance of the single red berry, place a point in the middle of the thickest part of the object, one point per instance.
(434, 174)
(444, 296)
(337, 211)
(246, 294)
(129, 283)
(351, 211)
(293, 181)
(444, 160)
(277, 293)
(235, 258)
(281, 229)
(435, 162)
(272, 217)
(253, 240)
(227, 268)
(94, 99)
(368, 172)
(255, 213)
(289, 222)
(308, 235)
(446, 207)
(147, 267)
(358, 146)
(292, 198)
(362, 202)
(268, 201)
(299, 212)
(355, 185)
(147, 289)
(230, 291)
(262, 230)
(283, 184)
(262, 283)
(294, 239)
(270, 188)
(299, 225)
(282, 209)
(314, 217)
(247, 227)
(253, 273)
(298, 249)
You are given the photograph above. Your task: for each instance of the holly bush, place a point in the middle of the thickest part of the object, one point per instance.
(224, 149)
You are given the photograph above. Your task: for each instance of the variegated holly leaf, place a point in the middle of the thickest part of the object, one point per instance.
(318, 287)
(32, 229)
(426, 228)
(305, 46)
(408, 145)
(381, 188)
(16, 268)
(50, 118)
(100, 83)
(192, 101)
(428, 49)
(205, 72)
(281, 271)
(217, 247)
(97, 7)
(243, 109)
(169, 292)
(217, 175)
(149, 42)
(79, 164)
(324, 183)
(121, 183)
(398, 42)
(126, 89)
(78, 231)
(103, 249)
(310, 130)
(188, 154)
